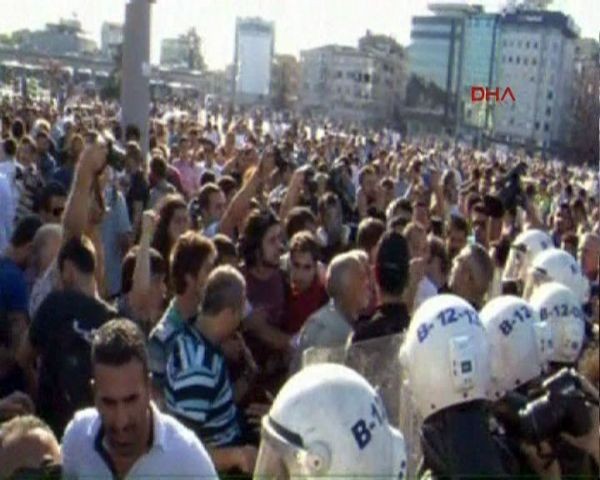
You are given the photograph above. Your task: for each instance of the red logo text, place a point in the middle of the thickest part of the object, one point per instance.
(483, 94)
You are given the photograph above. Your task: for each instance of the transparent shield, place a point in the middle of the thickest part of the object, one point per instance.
(378, 362)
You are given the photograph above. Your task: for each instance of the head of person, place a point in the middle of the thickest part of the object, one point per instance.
(192, 260)
(77, 263)
(42, 141)
(224, 302)
(389, 190)
(75, 147)
(173, 221)
(155, 294)
(347, 282)
(471, 274)
(211, 202)
(18, 129)
(421, 210)
(21, 241)
(479, 222)
(588, 253)
(563, 219)
(26, 150)
(392, 264)
(134, 158)
(46, 244)
(330, 215)
(228, 186)
(438, 264)
(27, 446)
(52, 202)
(370, 231)
(132, 133)
(304, 257)
(299, 219)
(158, 168)
(569, 243)
(227, 253)
(579, 212)
(9, 148)
(304, 433)
(416, 236)
(261, 241)
(450, 186)
(367, 180)
(121, 386)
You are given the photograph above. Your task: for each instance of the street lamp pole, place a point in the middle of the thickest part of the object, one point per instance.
(135, 85)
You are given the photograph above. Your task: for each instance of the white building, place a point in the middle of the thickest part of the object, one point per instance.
(536, 59)
(111, 37)
(254, 50)
(363, 85)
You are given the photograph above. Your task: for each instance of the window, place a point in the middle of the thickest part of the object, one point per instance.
(550, 95)
(511, 121)
(525, 61)
(548, 111)
(546, 127)
(534, 61)
(535, 45)
(537, 125)
(527, 44)
(518, 60)
(519, 44)
(532, 79)
(509, 59)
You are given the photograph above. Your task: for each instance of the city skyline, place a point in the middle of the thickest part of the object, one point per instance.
(297, 27)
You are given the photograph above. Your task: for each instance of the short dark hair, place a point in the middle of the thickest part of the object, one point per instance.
(80, 251)
(204, 195)
(158, 167)
(18, 128)
(228, 184)
(458, 222)
(51, 189)
(305, 242)
(225, 288)
(225, 247)
(190, 252)
(369, 232)
(118, 342)
(25, 231)
(392, 263)
(479, 207)
(298, 219)
(208, 177)
(328, 199)
(158, 266)
(132, 132)
(10, 147)
(364, 171)
(256, 226)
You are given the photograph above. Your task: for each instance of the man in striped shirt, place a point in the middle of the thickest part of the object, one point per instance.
(198, 389)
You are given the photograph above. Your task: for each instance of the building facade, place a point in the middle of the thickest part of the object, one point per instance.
(285, 81)
(183, 51)
(362, 85)
(536, 59)
(63, 38)
(111, 38)
(254, 51)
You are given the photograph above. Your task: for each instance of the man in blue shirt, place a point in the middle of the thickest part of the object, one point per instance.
(199, 391)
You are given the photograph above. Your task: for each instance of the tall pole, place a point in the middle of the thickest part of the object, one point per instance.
(135, 85)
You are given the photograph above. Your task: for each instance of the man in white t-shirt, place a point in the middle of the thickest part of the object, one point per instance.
(126, 436)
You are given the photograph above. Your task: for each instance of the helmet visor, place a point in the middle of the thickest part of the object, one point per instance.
(277, 456)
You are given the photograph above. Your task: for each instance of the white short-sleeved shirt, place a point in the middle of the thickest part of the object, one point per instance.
(175, 452)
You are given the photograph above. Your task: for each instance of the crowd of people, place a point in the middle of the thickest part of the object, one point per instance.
(156, 308)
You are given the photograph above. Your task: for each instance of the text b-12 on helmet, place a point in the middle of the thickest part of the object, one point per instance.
(327, 420)
(560, 308)
(445, 355)
(519, 343)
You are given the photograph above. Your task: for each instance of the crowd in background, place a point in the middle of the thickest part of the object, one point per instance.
(232, 247)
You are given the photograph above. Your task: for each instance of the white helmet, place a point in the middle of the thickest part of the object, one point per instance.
(523, 250)
(556, 265)
(519, 343)
(558, 306)
(445, 355)
(327, 420)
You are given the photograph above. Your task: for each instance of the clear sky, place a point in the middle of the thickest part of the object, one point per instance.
(299, 24)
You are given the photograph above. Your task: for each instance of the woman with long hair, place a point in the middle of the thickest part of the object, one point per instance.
(173, 220)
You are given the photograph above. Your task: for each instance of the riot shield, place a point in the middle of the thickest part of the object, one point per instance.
(378, 361)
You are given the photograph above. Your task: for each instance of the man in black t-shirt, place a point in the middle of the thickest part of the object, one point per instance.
(61, 334)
